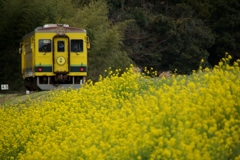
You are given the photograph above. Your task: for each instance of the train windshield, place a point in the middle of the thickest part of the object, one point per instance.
(44, 45)
(77, 45)
(61, 46)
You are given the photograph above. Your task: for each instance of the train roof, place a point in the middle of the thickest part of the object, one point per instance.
(55, 27)
(58, 29)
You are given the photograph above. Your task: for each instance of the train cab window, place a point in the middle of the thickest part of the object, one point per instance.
(61, 47)
(77, 45)
(44, 45)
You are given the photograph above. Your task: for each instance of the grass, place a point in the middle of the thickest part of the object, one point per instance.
(16, 98)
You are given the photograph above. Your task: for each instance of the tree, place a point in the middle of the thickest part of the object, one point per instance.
(225, 22)
(191, 41)
(223, 19)
(166, 35)
(10, 17)
(105, 37)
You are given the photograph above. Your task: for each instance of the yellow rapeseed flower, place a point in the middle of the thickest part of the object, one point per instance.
(130, 117)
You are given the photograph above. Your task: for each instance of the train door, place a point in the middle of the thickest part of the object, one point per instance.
(61, 55)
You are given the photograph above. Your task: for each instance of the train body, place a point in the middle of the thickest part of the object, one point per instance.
(54, 55)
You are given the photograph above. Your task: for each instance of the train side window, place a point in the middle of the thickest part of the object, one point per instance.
(61, 46)
(44, 45)
(77, 45)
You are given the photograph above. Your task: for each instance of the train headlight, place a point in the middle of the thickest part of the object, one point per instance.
(81, 69)
(40, 69)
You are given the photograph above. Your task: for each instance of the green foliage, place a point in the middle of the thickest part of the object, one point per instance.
(167, 39)
(80, 3)
(10, 18)
(223, 17)
(40, 12)
(105, 38)
(190, 43)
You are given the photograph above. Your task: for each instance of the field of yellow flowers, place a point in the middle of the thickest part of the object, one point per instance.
(131, 116)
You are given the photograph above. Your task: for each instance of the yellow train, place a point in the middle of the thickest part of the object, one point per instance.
(54, 55)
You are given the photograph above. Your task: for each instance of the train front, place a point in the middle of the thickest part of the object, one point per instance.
(59, 57)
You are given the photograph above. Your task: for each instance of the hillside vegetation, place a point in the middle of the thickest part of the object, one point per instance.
(131, 116)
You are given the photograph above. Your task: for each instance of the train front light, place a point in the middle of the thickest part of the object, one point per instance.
(40, 69)
(81, 69)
